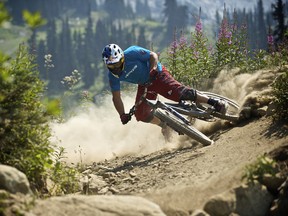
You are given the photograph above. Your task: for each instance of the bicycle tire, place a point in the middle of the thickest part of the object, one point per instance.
(232, 113)
(177, 125)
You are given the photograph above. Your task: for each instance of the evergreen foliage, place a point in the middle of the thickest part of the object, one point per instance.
(24, 135)
(281, 96)
(278, 13)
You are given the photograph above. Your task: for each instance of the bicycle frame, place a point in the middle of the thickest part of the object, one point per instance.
(158, 104)
(175, 115)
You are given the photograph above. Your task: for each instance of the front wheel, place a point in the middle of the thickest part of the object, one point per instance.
(179, 126)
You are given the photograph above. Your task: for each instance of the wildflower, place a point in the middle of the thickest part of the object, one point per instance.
(48, 61)
(270, 39)
(182, 42)
(173, 47)
(198, 27)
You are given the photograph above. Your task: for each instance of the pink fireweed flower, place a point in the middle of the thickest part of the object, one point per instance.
(224, 30)
(228, 34)
(173, 47)
(183, 42)
(270, 39)
(198, 27)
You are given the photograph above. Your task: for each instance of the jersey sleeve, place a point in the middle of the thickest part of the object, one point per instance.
(140, 53)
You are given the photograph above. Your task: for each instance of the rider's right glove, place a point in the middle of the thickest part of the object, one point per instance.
(125, 118)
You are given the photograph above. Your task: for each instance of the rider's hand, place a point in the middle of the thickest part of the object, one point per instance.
(153, 73)
(125, 118)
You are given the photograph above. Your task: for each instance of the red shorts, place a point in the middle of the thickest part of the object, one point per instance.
(165, 85)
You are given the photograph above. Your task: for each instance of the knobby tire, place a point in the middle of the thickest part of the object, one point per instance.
(181, 127)
(230, 115)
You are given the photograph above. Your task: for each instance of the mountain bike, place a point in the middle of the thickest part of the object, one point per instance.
(178, 116)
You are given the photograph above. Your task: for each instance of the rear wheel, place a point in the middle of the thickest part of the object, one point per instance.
(179, 126)
(232, 113)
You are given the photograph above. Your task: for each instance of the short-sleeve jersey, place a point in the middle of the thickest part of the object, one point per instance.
(136, 68)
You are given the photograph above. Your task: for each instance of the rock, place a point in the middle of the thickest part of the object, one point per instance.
(272, 182)
(199, 212)
(13, 180)
(221, 205)
(261, 111)
(245, 200)
(132, 174)
(15, 204)
(252, 200)
(280, 205)
(271, 110)
(245, 113)
(108, 205)
(96, 183)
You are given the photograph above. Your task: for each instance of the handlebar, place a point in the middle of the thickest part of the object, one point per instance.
(132, 111)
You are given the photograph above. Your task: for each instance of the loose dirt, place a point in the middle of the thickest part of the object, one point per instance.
(181, 175)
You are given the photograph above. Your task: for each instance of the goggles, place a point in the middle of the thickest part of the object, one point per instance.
(117, 65)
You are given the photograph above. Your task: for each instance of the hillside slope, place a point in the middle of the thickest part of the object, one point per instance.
(181, 179)
(186, 178)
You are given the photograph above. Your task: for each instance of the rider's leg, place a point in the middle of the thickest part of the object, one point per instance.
(198, 97)
(168, 87)
(143, 111)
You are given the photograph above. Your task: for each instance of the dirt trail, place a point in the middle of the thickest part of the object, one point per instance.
(177, 175)
(191, 177)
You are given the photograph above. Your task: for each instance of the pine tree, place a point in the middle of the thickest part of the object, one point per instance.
(279, 16)
(64, 58)
(176, 18)
(261, 26)
(89, 47)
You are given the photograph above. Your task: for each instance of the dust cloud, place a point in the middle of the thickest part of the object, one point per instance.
(97, 134)
(236, 86)
(240, 87)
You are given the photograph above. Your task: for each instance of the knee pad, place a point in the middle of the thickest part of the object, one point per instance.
(189, 94)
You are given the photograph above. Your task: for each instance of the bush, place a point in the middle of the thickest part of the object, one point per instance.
(263, 165)
(24, 130)
(280, 87)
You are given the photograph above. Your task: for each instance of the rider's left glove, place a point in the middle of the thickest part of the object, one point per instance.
(125, 118)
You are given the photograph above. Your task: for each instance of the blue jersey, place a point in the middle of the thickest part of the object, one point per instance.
(136, 68)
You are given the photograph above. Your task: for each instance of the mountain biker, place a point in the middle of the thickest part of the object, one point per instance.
(141, 66)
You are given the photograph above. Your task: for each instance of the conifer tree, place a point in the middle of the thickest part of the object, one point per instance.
(89, 61)
(261, 26)
(279, 16)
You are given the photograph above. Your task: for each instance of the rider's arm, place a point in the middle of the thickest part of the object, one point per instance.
(153, 61)
(118, 103)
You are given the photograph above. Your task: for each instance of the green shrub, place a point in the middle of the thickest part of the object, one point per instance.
(280, 87)
(24, 130)
(64, 178)
(256, 171)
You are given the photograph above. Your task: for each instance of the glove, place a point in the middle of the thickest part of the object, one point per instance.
(153, 73)
(125, 118)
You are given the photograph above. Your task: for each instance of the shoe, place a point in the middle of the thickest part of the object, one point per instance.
(221, 106)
